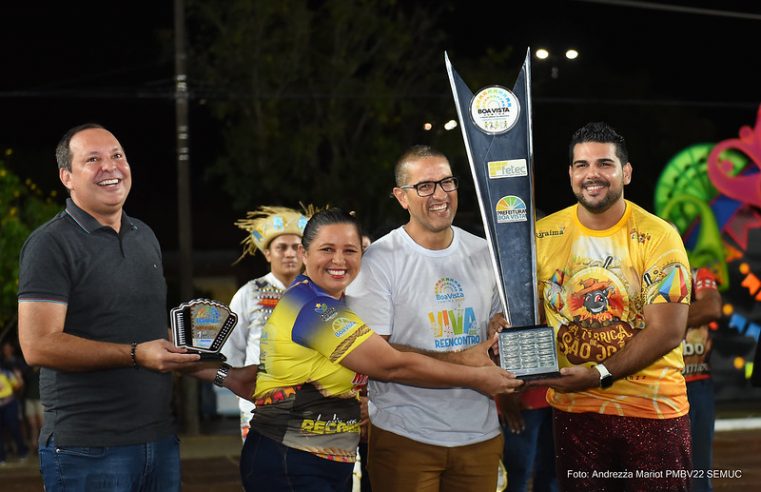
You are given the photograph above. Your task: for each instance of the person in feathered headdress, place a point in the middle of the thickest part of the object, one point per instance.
(275, 232)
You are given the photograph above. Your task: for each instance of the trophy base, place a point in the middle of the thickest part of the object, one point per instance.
(529, 352)
(207, 356)
(544, 375)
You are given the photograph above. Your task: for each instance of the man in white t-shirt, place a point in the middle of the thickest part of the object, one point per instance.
(429, 287)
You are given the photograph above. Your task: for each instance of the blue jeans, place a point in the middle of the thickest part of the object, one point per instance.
(702, 417)
(531, 453)
(148, 467)
(270, 466)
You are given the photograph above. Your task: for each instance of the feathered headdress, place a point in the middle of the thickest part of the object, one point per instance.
(267, 222)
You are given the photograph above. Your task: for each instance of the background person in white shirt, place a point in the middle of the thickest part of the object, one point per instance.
(275, 232)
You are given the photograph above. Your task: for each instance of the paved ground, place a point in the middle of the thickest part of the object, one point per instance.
(210, 462)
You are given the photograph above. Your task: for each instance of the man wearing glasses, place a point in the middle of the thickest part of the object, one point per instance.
(429, 287)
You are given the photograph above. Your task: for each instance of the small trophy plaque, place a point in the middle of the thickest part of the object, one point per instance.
(529, 351)
(202, 326)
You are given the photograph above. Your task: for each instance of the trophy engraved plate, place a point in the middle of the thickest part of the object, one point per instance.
(202, 326)
(529, 351)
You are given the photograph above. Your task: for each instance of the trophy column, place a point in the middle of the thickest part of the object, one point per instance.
(496, 128)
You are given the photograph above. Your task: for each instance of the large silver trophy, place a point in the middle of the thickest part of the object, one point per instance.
(496, 128)
(202, 326)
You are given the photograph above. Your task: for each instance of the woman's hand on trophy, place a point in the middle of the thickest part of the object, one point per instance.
(494, 380)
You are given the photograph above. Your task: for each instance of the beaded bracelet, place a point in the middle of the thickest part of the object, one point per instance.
(132, 352)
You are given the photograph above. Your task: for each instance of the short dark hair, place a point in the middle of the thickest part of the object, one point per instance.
(63, 149)
(600, 132)
(412, 154)
(325, 217)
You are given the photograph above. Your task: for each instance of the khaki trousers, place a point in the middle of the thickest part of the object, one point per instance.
(398, 464)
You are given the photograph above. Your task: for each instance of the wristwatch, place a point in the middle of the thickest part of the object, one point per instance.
(606, 378)
(222, 373)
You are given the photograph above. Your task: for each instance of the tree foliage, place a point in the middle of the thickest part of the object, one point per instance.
(23, 207)
(316, 100)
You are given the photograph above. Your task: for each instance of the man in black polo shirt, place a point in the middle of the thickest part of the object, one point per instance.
(92, 313)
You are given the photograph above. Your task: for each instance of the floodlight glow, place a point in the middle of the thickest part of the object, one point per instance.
(427, 127)
(542, 54)
(450, 125)
(572, 54)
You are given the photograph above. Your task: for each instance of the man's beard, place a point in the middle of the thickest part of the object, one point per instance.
(603, 205)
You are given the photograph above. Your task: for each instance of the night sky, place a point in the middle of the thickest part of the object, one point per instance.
(664, 79)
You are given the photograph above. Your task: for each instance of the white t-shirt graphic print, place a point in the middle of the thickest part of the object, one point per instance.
(435, 300)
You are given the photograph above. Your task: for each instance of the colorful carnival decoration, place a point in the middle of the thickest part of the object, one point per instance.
(745, 187)
(712, 194)
(685, 196)
(707, 249)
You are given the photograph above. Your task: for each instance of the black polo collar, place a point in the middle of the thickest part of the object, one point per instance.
(88, 223)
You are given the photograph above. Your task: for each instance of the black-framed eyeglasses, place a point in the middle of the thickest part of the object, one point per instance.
(428, 188)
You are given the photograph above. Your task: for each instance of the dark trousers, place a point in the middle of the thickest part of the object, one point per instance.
(270, 466)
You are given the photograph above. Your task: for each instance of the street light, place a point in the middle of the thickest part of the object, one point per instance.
(544, 55)
(449, 125)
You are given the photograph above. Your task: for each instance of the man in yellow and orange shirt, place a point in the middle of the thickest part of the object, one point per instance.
(615, 284)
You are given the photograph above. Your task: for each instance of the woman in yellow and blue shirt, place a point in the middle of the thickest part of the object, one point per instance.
(316, 354)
